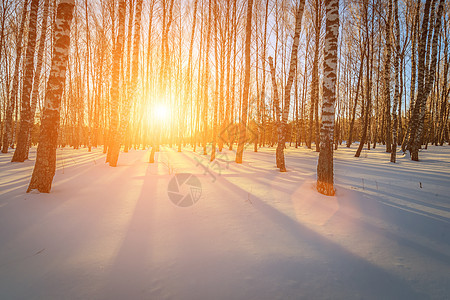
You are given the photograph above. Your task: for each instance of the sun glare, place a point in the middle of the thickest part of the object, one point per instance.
(161, 112)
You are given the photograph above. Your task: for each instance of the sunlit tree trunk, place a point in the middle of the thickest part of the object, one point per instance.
(113, 149)
(355, 103)
(325, 180)
(315, 75)
(387, 78)
(397, 82)
(21, 152)
(414, 43)
(443, 115)
(243, 117)
(367, 91)
(206, 81)
(276, 98)
(149, 68)
(425, 75)
(287, 90)
(87, 76)
(39, 63)
(304, 90)
(216, 89)
(190, 73)
(263, 89)
(7, 134)
(226, 49)
(231, 126)
(132, 86)
(45, 166)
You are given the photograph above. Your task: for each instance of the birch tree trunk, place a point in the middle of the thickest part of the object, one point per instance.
(7, 134)
(263, 88)
(40, 61)
(387, 79)
(132, 86)
(206, 81)
(315, 76)
(325, 184)
(444, 96)
(216, 89)
(397, 83)
(367, 96)
(166, 21)
(414, 42)
(113, 149)
(243, 118)
(276, 98)
(355, 104)
(45, 166)
(287, 91)
(190, 70)
(21, 152)
(429, 79)
(425, 75)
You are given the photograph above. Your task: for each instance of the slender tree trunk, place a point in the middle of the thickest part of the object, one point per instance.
(287, 90)
(113, 149)
(243, 118)
(414, 42)
(444, 97)
(276, 99)
(425, 75)
(397, 83)
(352, 121)
(87, 62)
(37, 74)
(216, 89)
(7, 134)
(21, 152)
(190, 71)
(306, 137)
(366, 105)
(231, 134)
(206, 81)
(387, 79)
(366, 108)
(132, 87)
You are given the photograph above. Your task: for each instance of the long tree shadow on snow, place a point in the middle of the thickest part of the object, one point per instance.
(359, 276)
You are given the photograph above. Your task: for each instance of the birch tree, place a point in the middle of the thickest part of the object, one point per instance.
(45, 166)
(21, 152)
(397, 82)
(7, 134)
(243, 117)
(426, 72)
(387, 78)
(287, 90)
(39, 63)
(113, 149)
(132, 88)
(325, 180)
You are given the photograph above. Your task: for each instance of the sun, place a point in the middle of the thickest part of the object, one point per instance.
(161, 112)
(158, 116)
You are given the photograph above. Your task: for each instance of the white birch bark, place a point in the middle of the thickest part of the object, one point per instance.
(45, 166)
(325, 163)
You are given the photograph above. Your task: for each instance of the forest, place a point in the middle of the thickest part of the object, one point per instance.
(301, 93)
(140, 74)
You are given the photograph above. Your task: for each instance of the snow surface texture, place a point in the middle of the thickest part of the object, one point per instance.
(254, 233)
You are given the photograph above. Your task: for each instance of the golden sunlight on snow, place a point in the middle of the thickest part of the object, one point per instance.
(310, 206)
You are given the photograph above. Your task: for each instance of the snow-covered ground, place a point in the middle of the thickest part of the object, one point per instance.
(254, 233)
